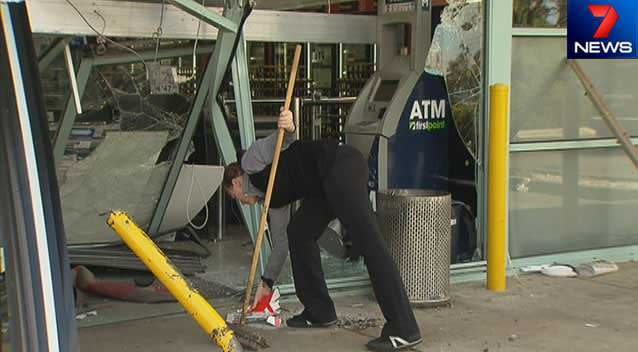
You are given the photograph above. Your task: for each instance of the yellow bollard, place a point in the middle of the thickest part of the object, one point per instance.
(497, 188)
(205, 315)
(2, 265)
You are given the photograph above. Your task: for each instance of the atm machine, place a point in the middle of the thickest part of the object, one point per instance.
(402, 120)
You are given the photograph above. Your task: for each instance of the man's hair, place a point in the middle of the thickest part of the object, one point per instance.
(232, 171)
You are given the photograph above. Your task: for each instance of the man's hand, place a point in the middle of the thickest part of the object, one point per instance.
(262, 292)
(286, 121)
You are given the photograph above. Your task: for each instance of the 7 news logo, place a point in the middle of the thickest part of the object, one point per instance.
(601, 29)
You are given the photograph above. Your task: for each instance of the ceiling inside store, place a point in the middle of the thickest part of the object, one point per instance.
(288, 4)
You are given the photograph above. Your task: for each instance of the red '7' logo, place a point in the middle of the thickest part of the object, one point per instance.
(610, 17)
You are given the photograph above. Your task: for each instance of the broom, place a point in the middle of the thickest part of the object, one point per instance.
(269, 189)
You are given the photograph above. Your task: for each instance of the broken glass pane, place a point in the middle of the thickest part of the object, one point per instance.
(55, 80)
(540, 13)
(121, 173)
(120, 150)
(456, 52)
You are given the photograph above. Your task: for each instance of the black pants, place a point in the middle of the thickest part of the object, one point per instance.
(346, 198)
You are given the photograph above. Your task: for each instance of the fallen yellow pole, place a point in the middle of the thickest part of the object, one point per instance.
(205, 315)
(497, 189)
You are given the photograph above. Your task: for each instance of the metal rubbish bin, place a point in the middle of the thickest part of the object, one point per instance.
(416, 227)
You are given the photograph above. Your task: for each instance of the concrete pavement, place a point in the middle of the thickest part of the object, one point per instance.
(536, 314)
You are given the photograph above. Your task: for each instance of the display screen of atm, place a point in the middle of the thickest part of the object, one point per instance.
(386, 91)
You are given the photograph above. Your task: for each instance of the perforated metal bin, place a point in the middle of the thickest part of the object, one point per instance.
(416, 227)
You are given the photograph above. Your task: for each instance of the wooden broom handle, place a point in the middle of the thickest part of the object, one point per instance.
(269, 190)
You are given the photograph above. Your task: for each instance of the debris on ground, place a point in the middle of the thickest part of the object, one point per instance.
(533, 268)
(123, 289)
(592, 325)
(248, 339)
(560, 270)
(267, 310)
(212, 289)
(82, 316)
(596, 268)
(592, 269)
(512, 338)
(140, 289)
(358, 322)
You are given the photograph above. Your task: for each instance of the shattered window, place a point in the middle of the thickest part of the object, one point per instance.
(540, 13)
(456, 53)
(122, 145)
